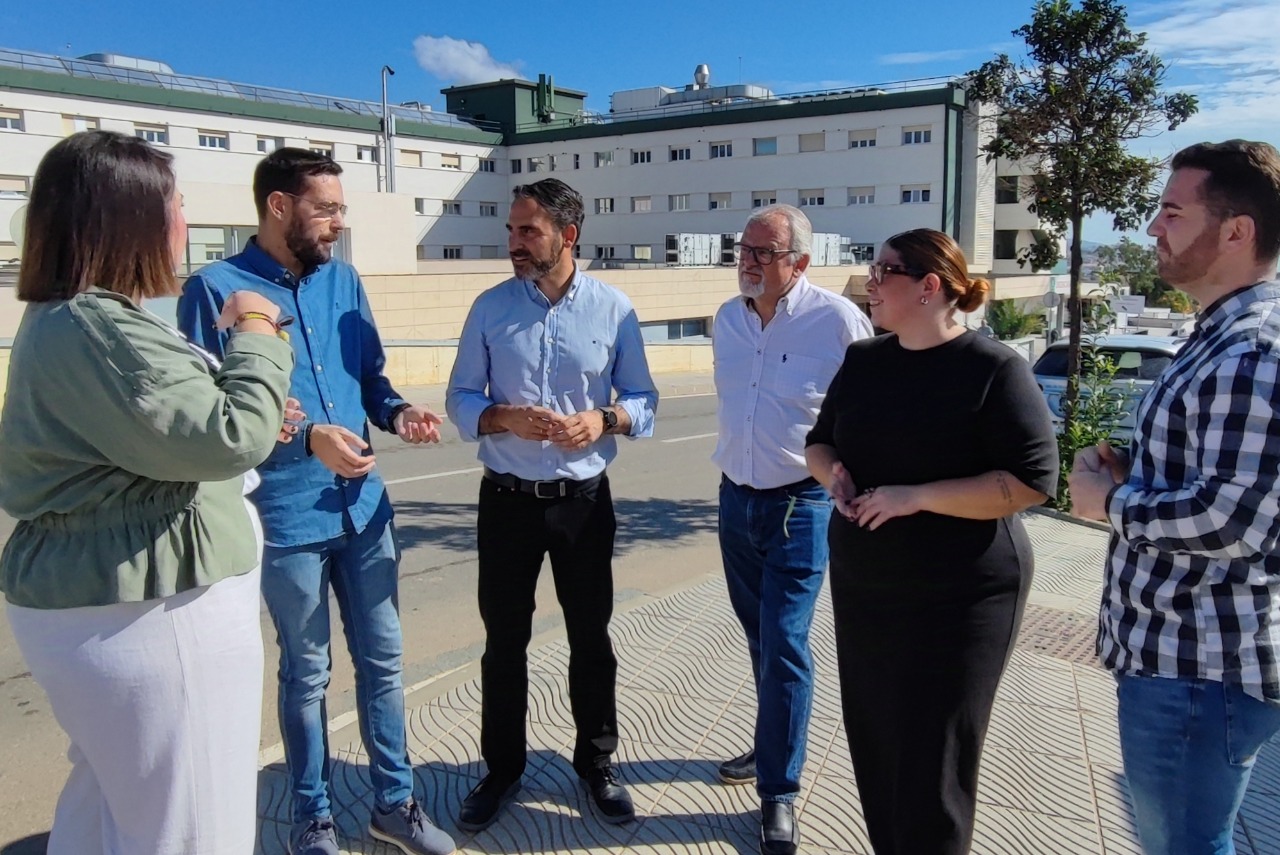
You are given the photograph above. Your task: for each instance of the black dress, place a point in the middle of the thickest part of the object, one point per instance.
(927, 607)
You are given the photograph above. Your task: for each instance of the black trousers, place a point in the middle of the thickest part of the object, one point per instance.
(515, 531)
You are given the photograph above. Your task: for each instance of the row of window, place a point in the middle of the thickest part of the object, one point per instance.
(452, 207)
(639, 252)
(221, 141)
(909, 194)
(454, 253)
(760, 147)
(856, 253)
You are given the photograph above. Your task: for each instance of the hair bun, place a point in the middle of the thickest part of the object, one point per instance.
(975, 296)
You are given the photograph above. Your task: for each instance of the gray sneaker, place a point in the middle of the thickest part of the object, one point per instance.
(408, 828)
(314, 837)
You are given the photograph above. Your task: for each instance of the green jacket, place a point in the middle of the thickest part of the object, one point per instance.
(122, 454)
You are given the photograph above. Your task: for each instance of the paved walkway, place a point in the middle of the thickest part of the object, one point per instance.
(1051, 780)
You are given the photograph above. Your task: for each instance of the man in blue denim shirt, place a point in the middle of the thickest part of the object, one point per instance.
(326, 516)
(539, 358)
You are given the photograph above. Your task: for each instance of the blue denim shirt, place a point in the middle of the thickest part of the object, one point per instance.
(337, 376)
(517, 348)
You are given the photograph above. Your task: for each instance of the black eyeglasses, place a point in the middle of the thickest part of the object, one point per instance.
(880, 269)
(763, 254)
(327, 210)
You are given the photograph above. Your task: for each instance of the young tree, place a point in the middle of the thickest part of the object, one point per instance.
(1087, 87)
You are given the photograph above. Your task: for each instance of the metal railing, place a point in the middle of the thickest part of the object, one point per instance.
(93, 70)
(591, 117)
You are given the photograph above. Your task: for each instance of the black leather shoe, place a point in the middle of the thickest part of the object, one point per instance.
(612, 801)
(483, 804)
(779, 831)
(739, 770)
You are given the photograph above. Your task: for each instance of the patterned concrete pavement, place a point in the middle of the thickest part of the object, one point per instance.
(1051, 779)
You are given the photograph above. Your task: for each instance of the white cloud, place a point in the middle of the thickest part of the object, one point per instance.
(1222, 51)
(460, 62)
(922, 57)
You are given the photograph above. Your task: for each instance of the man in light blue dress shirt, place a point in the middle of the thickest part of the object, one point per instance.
(538, 362)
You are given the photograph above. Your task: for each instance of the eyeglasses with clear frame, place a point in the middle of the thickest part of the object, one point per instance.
(881, 269)
(325, 210)
(764, 255)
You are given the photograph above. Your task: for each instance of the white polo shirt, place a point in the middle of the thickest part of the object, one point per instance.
(770, 381)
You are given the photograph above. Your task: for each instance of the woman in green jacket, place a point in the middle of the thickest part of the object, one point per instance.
(125, 456)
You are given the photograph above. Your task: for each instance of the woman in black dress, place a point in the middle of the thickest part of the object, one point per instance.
(931, 440)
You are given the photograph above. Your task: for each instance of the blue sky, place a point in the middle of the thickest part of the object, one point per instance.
(1223, 50)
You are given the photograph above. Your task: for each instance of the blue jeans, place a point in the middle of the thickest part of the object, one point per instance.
(774, 546)
(1189, 747)
(363, 570)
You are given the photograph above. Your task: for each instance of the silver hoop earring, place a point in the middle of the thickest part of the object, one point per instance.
(924, 301)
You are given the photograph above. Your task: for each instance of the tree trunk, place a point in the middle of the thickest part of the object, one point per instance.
(1076, 314)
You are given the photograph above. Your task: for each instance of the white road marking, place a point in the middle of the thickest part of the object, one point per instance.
(470, 471)
(690, 395)
(687, 438)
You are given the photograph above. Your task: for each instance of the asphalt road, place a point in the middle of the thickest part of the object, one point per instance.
(665, 496)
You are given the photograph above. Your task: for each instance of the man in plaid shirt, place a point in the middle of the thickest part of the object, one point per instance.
(1190, 619)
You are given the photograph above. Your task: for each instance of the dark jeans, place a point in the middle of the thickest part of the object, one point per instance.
(774, 547)
(515, 531)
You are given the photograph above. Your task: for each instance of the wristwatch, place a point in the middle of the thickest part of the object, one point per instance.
(609, 416)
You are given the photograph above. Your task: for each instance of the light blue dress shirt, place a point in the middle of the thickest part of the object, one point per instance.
(519, 349)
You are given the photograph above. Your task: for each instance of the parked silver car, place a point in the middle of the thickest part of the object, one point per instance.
(1139, 360)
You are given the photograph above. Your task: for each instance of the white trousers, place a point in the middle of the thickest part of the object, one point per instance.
(162, 701)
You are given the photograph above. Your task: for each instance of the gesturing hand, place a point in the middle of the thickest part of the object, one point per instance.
(339, 450)
(417, 425)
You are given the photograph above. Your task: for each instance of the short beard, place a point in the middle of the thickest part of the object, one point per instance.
(541, 267)
(310, 253)
(751, 290)
(1193, 263)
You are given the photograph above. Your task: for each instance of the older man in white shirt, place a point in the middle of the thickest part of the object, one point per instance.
(777, 346)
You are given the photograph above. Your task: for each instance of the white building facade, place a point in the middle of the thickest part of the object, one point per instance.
(864, 164)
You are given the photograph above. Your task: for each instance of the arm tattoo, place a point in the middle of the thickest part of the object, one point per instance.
(1004, 488)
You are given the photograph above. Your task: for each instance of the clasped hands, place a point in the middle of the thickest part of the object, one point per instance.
(1094, 472)
(873, 507)
(540, 424)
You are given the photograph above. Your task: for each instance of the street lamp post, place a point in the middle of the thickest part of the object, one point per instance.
(388, 133)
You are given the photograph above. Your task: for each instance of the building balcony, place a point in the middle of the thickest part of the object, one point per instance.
(1015, 216)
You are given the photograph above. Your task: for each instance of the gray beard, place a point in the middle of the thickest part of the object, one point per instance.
(749, 289)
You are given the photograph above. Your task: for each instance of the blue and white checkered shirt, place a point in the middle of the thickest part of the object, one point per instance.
(1193, 576)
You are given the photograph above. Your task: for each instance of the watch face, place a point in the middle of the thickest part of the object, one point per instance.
(610, 418)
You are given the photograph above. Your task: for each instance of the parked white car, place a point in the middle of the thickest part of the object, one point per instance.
(1139, 360)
